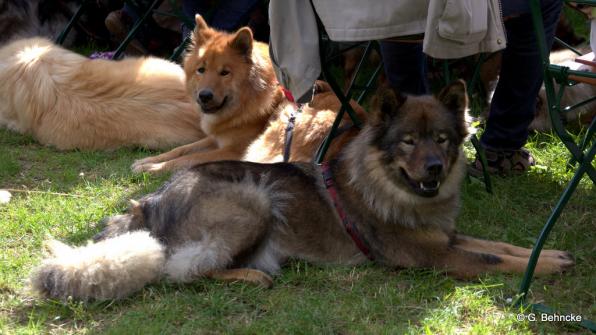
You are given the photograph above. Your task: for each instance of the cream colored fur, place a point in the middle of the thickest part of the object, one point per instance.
(197, 258)
(110, 269)
(71, 102)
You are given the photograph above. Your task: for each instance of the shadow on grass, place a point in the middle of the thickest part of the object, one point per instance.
(305, 299)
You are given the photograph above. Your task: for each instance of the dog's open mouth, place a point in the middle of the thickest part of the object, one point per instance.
(210, 109)
(427, 188)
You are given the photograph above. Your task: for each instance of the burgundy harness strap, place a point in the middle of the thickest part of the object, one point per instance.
(350, 227)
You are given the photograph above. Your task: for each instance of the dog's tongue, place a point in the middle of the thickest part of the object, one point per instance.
(429, 185)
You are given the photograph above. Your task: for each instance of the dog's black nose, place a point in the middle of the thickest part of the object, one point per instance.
(434, 167)
(205, 96)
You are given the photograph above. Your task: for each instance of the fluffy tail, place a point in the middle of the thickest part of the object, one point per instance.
(109, 269)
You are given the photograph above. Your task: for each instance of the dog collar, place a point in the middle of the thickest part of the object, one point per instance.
(288, 94)
(291, 123)
(348, 225)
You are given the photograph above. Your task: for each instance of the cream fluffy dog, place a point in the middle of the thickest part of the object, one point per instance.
(68, 101)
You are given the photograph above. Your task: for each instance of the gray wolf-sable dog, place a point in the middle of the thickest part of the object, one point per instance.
(398, 181)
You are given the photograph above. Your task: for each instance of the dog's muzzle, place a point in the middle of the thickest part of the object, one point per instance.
(426, 188)
(210, 107)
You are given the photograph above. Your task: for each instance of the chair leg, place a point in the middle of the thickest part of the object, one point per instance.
(322, 150)
(581, 170)
(179, 49)
(369, 84)
(588, 138)
(485, 175)
(60, 39)
(135, 29)
(344, 98)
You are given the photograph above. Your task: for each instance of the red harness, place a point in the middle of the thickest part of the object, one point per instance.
(288, 94)
(349, 225)
(329, 182)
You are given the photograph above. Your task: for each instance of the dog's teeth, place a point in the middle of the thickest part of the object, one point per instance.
(430, 188)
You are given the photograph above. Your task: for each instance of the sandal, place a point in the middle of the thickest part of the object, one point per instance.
(503, 162)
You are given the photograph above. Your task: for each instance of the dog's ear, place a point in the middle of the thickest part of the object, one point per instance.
(200, 22)
(202, 32)
(135, 209)
(242, 41)
(455, 98)
(321, 87)
(386, 104)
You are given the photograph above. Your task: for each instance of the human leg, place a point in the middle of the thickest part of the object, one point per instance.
(514, 102)
(405, 66)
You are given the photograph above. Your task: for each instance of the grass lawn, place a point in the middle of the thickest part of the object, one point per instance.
(65, 194)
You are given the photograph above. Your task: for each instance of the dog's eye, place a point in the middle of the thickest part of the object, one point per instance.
(201, 70)
(224, 73)
(441, 139)
(407, 140)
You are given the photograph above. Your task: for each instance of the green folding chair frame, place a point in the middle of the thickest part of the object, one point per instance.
(582, 152)
(146, 11)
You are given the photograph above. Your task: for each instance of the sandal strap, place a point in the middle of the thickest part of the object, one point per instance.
(506, 162)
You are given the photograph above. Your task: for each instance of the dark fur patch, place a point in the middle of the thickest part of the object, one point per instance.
(235, 171)
(491, 259)
(162, 212)
(244, 256)
(18, 4)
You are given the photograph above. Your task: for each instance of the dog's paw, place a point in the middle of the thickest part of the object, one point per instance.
(146, 165)
(565, 264)
(557, 254)
(138, 164)
(555, 262)
(155, 167)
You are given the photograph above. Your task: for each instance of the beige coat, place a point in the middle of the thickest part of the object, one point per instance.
(452, 29)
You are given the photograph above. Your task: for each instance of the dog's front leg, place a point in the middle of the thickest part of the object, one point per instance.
(515, 259)
(194, 159)
(148, 164)
(469, 263)
(465, 264)
(466, 257)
